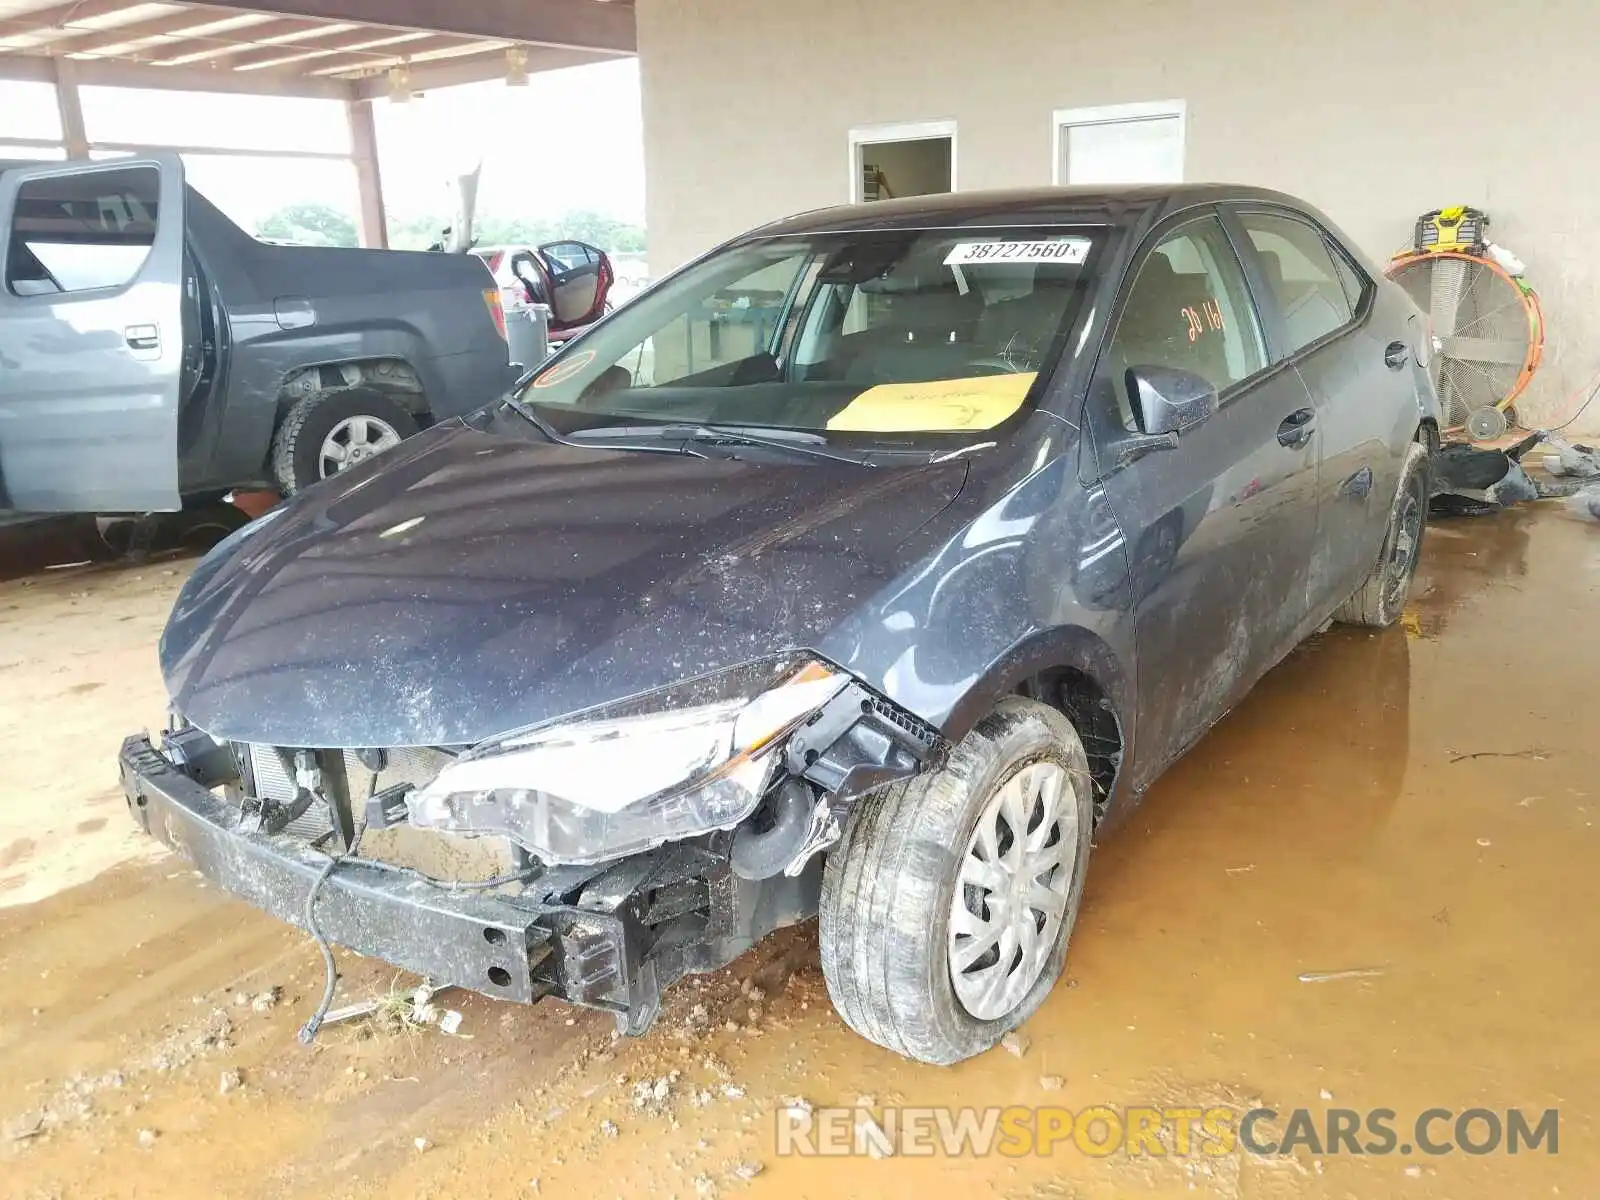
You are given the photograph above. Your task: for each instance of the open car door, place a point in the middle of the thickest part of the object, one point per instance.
(91, 335)
(580, 279)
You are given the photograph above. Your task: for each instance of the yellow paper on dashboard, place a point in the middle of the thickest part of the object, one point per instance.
(981, 402)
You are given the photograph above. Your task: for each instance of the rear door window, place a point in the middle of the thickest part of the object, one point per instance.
(82, 232)
(1313, 294)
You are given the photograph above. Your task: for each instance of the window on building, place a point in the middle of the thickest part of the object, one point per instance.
(1188, 309)
(891, 161)
(72, 233)
(1312, 292)
(1124, 143)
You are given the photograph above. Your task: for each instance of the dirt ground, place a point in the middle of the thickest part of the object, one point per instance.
(1413, 812)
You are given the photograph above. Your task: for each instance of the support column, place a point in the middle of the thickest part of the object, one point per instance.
(369, 180)
(68, 104)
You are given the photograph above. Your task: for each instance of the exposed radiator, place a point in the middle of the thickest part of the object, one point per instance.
(415, 766)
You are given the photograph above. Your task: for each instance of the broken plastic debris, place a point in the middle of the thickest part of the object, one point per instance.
(796, 1106)
(1334, 976)
(1585, 503)
(450, 1023)
(748, 1170)
(421, 1144)
(349, 1012)
(1052, 1083)
(231, 1081)
(1015, 1043)
(24, 1127)
(267, 1000)
(871, 1137)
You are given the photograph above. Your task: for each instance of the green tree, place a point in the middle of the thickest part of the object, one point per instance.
(311, 224)
(495, 229)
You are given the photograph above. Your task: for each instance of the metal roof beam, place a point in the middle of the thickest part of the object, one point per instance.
(109, 72)
(308, 49)
(568, 24)
(94, 41)
(475, 68)
(416, 53)
(58, 20)
(268, 33)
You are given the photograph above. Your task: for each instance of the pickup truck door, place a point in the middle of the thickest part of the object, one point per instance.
(580, 277)
(91, 335)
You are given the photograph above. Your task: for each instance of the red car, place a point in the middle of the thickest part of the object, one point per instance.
(572, 279)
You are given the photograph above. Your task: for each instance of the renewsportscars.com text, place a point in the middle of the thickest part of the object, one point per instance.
(1214, 1132)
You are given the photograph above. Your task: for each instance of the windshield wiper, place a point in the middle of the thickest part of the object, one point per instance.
(533, 418)
(550, 431)
(794, 441)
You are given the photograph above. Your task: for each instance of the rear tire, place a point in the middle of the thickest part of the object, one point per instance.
(1381, 598)
(297, 449)
(901, 878)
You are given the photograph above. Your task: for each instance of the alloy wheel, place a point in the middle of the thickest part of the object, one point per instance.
(354, 440)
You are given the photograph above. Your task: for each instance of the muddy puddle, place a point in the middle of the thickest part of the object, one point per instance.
(1371, 887)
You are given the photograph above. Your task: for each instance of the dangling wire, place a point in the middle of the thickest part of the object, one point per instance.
(308, 1031)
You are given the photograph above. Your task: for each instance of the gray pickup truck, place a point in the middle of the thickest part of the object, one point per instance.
(153, 354)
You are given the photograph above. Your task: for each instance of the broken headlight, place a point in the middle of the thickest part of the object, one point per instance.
(679, 762)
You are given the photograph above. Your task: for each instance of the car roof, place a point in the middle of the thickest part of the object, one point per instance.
(1024, 206)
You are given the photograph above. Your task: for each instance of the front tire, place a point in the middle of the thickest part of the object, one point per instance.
(355, 423)
(948, 903)
(1381, 598)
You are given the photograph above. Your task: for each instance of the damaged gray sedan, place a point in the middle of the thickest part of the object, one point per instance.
(863, 569)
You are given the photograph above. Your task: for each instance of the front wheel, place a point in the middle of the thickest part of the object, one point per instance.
(1381, 598)
(947, 904)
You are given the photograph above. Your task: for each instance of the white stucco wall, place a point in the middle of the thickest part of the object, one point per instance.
(748, 106)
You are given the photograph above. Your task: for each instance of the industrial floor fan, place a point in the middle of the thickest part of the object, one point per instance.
(1487, 325)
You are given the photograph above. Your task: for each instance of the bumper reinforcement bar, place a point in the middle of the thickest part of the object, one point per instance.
(500, 945)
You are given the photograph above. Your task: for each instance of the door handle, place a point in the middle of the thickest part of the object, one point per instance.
(1396, 355)
(1294, 431)
(142, 337)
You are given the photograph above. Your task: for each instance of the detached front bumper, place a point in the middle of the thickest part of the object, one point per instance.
(507, 947)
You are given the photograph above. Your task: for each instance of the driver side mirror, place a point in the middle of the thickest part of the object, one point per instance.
(1170, 401)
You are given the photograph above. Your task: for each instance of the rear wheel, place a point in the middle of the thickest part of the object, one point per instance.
(947, 904)
(1382, 597)
(328, 432)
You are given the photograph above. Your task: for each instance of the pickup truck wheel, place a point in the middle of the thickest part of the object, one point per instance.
(947, 904)
(327, 432)
(1381, 598)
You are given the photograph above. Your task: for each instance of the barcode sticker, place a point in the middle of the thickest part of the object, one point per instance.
(1055, 250)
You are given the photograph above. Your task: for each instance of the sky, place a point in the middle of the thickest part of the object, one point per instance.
(422, 144)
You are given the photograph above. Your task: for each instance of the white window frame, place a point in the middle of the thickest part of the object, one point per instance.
(1115, 114)
(903, 131)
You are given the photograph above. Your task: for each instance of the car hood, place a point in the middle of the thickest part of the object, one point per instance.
(478, 581)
